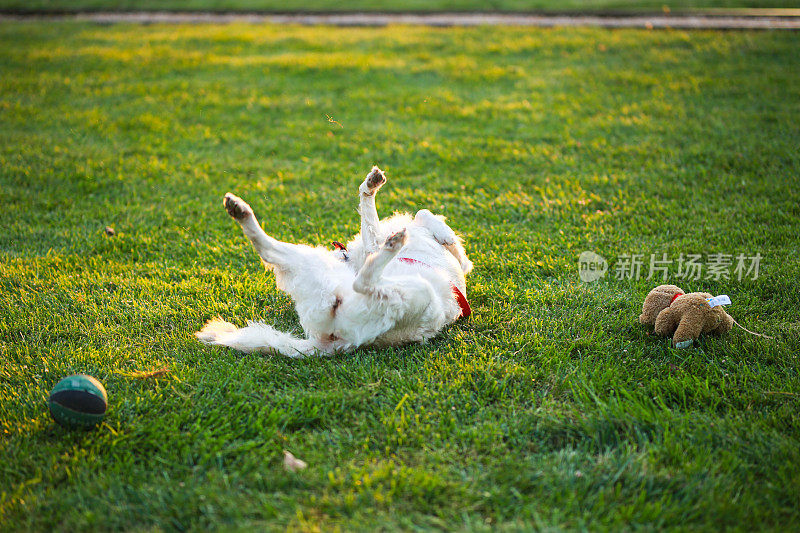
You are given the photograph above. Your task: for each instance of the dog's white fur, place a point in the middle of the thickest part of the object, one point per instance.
(359, 296)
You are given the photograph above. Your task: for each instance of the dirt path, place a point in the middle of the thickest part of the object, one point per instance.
(725, 21)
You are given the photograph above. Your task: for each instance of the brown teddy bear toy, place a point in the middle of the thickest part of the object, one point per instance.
(685, 316)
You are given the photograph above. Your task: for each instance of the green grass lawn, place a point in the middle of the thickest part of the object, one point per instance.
(549, 408)
(386, 5)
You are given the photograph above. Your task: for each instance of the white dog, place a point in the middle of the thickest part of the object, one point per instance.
(400, 280)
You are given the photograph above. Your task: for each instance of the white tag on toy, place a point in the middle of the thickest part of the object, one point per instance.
(722, 299)
(684, 344)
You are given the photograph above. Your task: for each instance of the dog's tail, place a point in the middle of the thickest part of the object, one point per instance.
(256, 337)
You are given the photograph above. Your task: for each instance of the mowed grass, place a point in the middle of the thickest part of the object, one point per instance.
(386, 5)
(549, 408)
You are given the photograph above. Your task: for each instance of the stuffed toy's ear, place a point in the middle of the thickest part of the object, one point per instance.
(656, 301)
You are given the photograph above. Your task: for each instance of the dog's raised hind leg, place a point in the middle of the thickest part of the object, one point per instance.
(445, 236)
(366, 207)
(272, 251)
(299, 269)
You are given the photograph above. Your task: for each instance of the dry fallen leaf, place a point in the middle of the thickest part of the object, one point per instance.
(292, 463)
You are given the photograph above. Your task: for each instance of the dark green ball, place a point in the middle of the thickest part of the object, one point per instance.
(78, 401)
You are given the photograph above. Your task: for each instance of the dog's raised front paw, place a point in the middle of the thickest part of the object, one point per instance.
(395, 242)
(374, 181)
(236, 207)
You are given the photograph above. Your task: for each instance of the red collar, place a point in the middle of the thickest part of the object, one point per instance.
(466, 310)
(675, 297)
(413, 261)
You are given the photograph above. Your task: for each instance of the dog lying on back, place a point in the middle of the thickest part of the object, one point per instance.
(401, 280)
